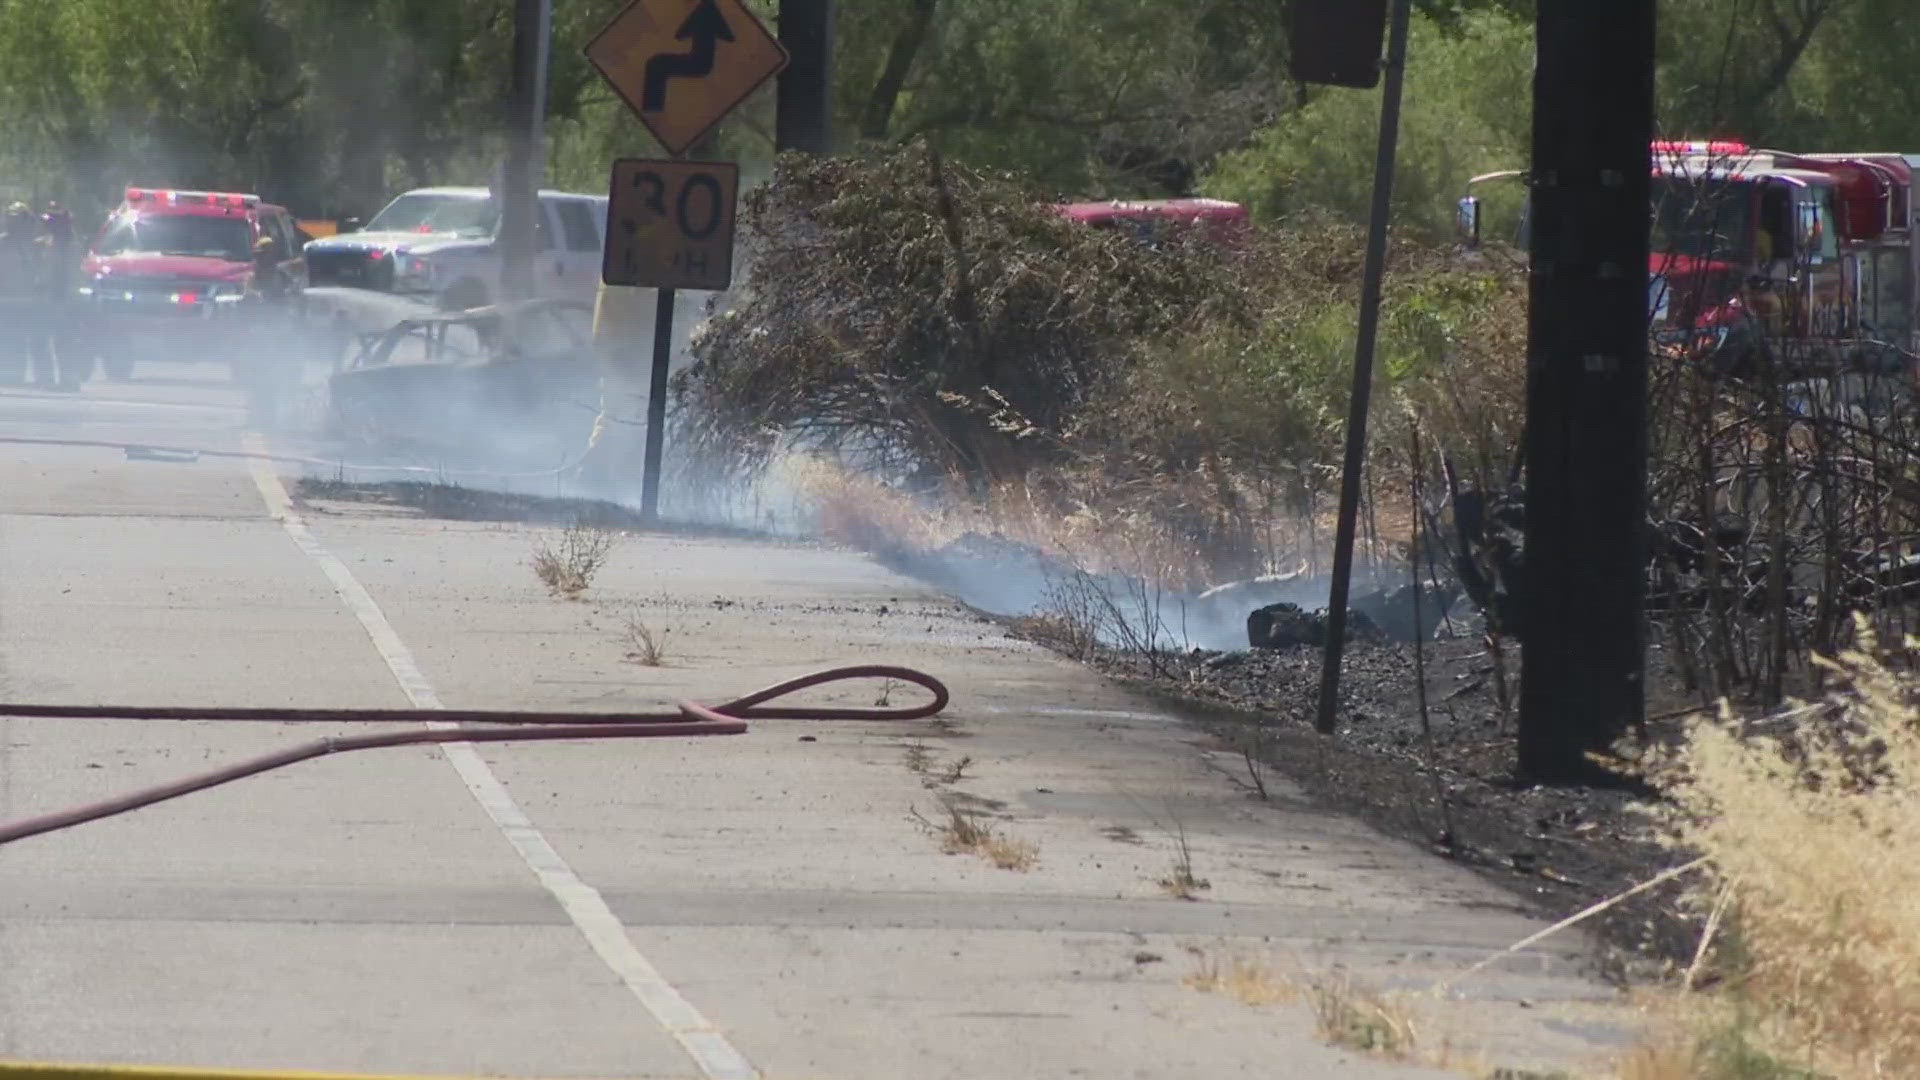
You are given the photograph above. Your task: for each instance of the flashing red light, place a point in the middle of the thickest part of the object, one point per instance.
(187, 298)
(1713, 147)
(231, 199)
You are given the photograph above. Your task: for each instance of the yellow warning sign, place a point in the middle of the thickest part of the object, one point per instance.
(682, 65)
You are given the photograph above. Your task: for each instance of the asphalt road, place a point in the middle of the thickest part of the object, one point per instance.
(758, 905)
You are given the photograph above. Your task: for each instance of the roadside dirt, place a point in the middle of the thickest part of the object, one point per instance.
(1453, 791)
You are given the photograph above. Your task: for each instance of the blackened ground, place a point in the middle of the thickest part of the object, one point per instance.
(1561, 848)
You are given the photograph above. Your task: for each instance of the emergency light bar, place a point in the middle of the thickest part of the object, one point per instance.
(1714, 147)
(171, 197)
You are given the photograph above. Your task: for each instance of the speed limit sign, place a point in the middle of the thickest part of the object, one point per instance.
(670, 224)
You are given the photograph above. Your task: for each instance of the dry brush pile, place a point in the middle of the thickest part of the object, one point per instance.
(947, 333)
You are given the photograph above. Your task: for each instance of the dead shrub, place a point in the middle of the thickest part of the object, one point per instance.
(566, 565)
(1171, 412)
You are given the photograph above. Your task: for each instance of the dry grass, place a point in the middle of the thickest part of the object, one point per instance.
(1249, 982)
(1812, 830)
(1360, 1019)
(863, 513)
(965, 834)
(566, 565)
(646, 646)
(1346, 1014)
(1725, 1053)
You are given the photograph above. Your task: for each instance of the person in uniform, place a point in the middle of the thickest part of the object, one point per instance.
(61, 266)
(22, 258)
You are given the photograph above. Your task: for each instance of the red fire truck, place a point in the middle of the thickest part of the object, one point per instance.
(1150, 220)
(189, 275)
(1758, 252)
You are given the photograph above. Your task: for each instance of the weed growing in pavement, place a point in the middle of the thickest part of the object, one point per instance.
(1181, 883)
(567, 566)
(919, 759)
(1246, 981)
(964, 834)
(1360, 1019)
(645, 646)
(886, 695)
(956, 772)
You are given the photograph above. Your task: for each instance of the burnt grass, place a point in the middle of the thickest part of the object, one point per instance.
(455, 502)
(1561, 849)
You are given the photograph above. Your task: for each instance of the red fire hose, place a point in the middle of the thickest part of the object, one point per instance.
(691, 718)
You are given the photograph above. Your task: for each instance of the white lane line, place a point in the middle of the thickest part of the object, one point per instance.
(717, 1058)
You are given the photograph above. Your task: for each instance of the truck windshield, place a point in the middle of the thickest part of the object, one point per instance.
(465, 215)
(228, 238)
(1702, 218)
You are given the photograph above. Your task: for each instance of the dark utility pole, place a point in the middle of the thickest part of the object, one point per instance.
(1355, 462)
(526, 151)
(804, 116)
(1583, 597)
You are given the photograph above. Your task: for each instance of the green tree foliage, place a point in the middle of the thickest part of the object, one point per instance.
(1465, 112)
(333, 105)
(1093, 97)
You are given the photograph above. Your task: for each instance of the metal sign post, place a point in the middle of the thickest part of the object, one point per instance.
(1326, 715)
(681, 66)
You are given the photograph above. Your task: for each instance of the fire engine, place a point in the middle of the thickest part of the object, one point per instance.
(1807, 258)
(1150, 220)
(188, 275)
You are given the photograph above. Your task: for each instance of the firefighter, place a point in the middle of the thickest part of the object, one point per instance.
(61, 264)
(22, 263)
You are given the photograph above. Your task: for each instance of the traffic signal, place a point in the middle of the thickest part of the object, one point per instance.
(1336, 42)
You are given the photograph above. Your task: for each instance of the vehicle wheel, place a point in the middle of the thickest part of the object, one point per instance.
(118, 366)
(464, 295)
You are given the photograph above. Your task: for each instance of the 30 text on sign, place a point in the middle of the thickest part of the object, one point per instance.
(670, 225)
(682, 65)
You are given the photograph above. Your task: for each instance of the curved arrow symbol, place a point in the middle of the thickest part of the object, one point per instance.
(705, 28)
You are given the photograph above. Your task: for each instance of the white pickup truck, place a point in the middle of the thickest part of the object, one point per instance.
(442, 245)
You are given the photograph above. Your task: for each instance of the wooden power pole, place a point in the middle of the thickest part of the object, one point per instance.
(526, 151)
(1583, 594)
